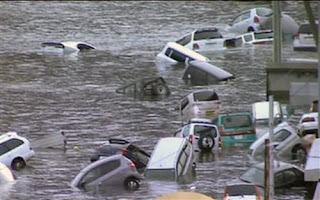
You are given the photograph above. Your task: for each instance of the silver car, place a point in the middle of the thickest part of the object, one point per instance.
(112, 170)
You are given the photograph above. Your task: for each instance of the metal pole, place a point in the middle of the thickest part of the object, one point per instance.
(271, 124)
(266, 169)
(318, 68)
(277, 32)
(311, 21)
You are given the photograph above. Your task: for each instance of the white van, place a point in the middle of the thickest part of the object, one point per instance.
(171, 159)
(176, 53)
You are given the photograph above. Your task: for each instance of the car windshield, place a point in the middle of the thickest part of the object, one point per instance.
(206, 34)
(264, 12)
(236, 190)
(205, 96)
(236, 121)
(203, 129)
(253, 175)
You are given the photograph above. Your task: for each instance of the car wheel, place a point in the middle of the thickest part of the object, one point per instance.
(160, 89)
(132, 183)
(299, 153)
(250, 29)
(17, 164)
(206, 142)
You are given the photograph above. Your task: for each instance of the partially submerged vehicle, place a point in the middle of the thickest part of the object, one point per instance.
(236, 127)
(115, 170)
(171, 160)
(199, 104)
(69, 46)
(146, 86)
(199, 72)
(202, 134)
(175, 53)
(257, 37)
(304, 40)
(245, 191)
(206, 39)
(6, 175)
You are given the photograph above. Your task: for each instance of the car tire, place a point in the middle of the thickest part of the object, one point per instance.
(160, 89)
(299, 153)
(250, 29)
(17, 164)
(206, 142)
(132, 183)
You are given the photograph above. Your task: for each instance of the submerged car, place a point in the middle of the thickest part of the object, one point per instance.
(69, 46)
(202, 134)
(250, 20)
(239, 191)
(257, 37)
(199, 104)
(286, 175)
(206, 39)
(308, 124)
(172, 159)
(236, 127)
(199, 72)
(146, 86)
(119, 146)
(287, 144)
(175, 53)
(15, 150)
(109, 171)
(303, 40)
(6, 175)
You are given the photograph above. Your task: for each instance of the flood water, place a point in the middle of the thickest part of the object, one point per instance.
(45, 93)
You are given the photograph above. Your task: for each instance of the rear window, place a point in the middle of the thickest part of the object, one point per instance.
(185, 40)
(203, 130)
(236, 121)
(264, 12)
(205, 96)
(236, 190)
(305, 29)
(263, 35)
(248, 38)
(206, 34)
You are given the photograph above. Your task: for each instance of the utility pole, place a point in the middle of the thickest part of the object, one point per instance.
(277, 31)
(318, 45)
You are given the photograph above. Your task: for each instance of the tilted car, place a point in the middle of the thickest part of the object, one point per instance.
(250, 20)
(114, 170)
(68, 46)
(114, 146)
(304, 40)
(202, 133)
(15, 150)
(257, 37)
(207, 39)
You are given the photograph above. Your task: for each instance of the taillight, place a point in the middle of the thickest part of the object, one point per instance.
(191, 139)
(308, 119)
(258, 197)
(132, 165)
(195, 46)
(256, 19)
(262, 42)
(297, 36)
(220, 142)
(225, 197)
(123, 151)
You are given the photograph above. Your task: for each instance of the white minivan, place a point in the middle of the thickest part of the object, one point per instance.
(171, 159)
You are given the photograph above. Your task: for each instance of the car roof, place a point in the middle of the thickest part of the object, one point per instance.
(278, 166)
(165, 153)
(186, 51)
(103, 160)
(11, 134)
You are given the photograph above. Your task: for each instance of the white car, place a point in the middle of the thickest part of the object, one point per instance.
(200, 104)
(69, 46)
(242, 191)
(303, 40)
(287, 144)
(250, 20)
(175, 53)
(308, 124)
(257, 37)
(202, 134)
(6, 174)
(15, 150)
(206, 39)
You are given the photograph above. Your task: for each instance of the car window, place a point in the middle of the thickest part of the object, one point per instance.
(99, 171)
(281, 135)
(209, 34)
(184, 102)
(264, 12)
(263, 35)
(253, 175)
(236, 190)
(13, 143)
(3, 149)
(176, 55)
(245, 16)
(186, 130)
(161, 174)
(236, 121)
(185, 40)
(205, 96)
(203, 129)
(306, 28)
(236, 20)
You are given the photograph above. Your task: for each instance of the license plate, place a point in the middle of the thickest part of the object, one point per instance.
(238, 137)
